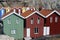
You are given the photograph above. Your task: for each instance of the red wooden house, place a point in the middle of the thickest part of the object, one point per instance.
(52, 22)
(34, 23)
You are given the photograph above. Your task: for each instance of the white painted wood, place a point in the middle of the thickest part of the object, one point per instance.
(46, 31)
(28, 32)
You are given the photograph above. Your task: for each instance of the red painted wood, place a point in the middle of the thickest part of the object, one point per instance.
(54, 27)
(32, 26)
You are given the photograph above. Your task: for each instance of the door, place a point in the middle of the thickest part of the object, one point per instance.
(28, 32)
(46, 31)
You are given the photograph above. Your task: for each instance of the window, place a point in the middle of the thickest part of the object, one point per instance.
(31, 20)
(13, 31)
(17, 21)
(38, 20)
(8, 21)
(51, 19)
(36, 30)
(46, 30)
(56, 19)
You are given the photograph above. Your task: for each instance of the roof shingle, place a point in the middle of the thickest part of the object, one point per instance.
(45, 12)
(28, 12)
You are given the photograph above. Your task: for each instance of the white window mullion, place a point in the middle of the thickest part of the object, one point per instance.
(46, 31)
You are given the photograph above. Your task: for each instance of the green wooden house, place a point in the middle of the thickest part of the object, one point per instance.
(13, 25)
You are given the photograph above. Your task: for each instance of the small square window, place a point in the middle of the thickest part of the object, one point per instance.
(13, 31)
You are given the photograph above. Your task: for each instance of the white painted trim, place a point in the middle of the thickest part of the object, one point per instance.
(46, 30)
(11, 14)
(36, 33)
(34, 13)
(52, 13)
(28, 32)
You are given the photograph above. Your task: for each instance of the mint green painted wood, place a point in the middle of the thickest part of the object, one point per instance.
(18, 27)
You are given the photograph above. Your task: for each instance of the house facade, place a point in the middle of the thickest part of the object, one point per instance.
(13, 25)
(33, 24)
(51, 22)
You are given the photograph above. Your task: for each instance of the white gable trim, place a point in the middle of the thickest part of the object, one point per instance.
(11, 14)
(34, 13)
(52, 13)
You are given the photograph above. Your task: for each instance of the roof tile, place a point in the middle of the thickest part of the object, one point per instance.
(28, 12)
(45, 12)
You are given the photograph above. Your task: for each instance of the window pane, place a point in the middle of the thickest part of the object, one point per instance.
(31, 20)
(51, 19)
(56, 19)
(38, 20)
(36, 30)
(8, 21)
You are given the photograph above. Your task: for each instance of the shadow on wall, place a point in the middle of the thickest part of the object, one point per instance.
(1, 27)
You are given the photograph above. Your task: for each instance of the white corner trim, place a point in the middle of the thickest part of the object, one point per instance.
(52, 13)
(34, 13)
(11, 14)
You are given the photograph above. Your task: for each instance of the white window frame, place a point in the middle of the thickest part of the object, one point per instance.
(51, 19)
(28, 32)
(38, 21)
(17, 21)
(56, 19)
(8, 21)
(36, 30)
(46, 30)
(13, 31)
(32, 21)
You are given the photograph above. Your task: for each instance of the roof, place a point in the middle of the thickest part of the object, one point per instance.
(28, 12)
(11, 12)
(47, 12)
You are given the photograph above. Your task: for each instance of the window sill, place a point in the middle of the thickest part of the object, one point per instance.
(35, 33)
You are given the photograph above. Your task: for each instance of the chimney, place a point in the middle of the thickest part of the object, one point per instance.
(28, 8)
(14, 9)
(19, 11)
(32, 8)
